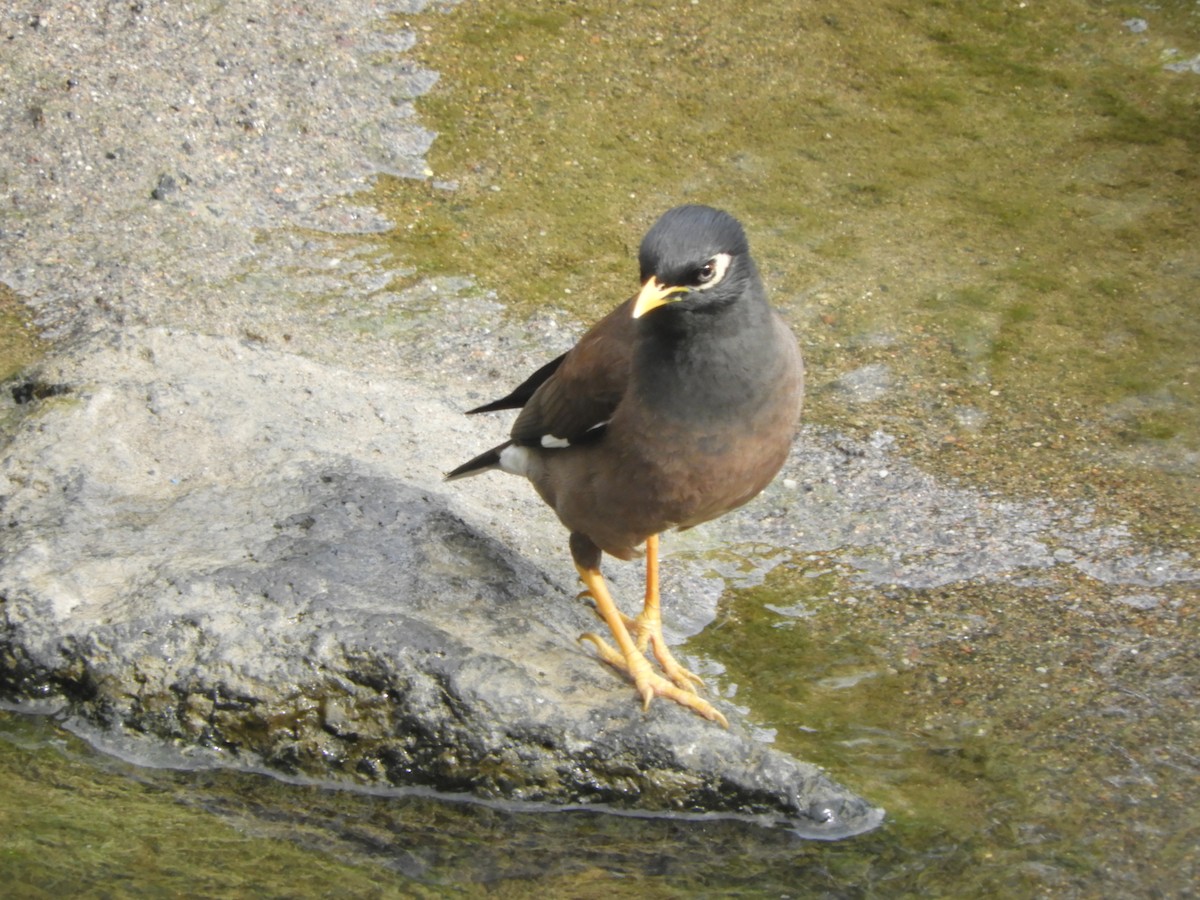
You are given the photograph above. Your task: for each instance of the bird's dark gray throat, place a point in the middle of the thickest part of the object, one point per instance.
(710, 359)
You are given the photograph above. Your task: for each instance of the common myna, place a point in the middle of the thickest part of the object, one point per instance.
(678, 406)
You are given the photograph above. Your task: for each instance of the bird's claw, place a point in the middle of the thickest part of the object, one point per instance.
(650, 637)
(604, 650)
(651, 684)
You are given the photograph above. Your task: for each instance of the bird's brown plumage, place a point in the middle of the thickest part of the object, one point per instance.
(662, 421)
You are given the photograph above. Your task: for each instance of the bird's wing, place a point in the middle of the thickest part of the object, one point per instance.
(520, 395)
(576, 401)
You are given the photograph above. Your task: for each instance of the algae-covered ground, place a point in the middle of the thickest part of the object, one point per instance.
(19, 343)
(997, 201)
(987, 215)
(981, 219)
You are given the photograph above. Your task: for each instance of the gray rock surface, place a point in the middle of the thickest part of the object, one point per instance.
(217, 545)
(156, 156)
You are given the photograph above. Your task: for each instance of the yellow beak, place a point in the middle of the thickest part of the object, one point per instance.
(653, 295)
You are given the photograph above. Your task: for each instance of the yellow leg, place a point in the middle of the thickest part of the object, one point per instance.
(648, 625)
(629, 658)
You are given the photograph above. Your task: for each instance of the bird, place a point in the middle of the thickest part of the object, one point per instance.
(678, 406)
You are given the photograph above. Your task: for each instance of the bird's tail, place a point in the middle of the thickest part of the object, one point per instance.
(489, 459)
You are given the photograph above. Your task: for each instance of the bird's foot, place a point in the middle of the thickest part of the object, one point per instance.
(646, 630)
(650, 684)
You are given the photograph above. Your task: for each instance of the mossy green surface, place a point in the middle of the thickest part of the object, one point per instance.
(19, 344)
(76, 825)
(997, 200)
(993, 721)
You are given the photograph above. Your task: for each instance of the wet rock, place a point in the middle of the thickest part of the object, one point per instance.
(28, 391)
(1184, 65)
(165, 187)
(1140, 601)
(177, 139)
(214, 545)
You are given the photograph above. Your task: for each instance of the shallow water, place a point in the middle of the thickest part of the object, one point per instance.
(981, 219)
(994, 202)
(77, 818)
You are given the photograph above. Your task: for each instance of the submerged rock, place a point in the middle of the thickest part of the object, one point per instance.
(211, 544)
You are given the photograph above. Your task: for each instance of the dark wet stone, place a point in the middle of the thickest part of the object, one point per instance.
(28, 391)
(164, 188)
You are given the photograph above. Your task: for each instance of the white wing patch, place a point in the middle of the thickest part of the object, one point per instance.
(552, 442)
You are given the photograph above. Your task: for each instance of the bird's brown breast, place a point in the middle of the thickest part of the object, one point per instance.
(651, 472)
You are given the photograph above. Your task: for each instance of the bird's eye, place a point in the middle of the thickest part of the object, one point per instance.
(710, 274)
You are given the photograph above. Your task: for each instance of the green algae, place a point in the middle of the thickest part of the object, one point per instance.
(78, 825)
(20, 346)
(997, 201)
(1009, 192)
(990, 750)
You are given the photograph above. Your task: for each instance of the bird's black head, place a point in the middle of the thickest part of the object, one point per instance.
(693, 254)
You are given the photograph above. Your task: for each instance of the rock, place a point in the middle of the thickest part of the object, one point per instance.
(211, 544)
(164, 188)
